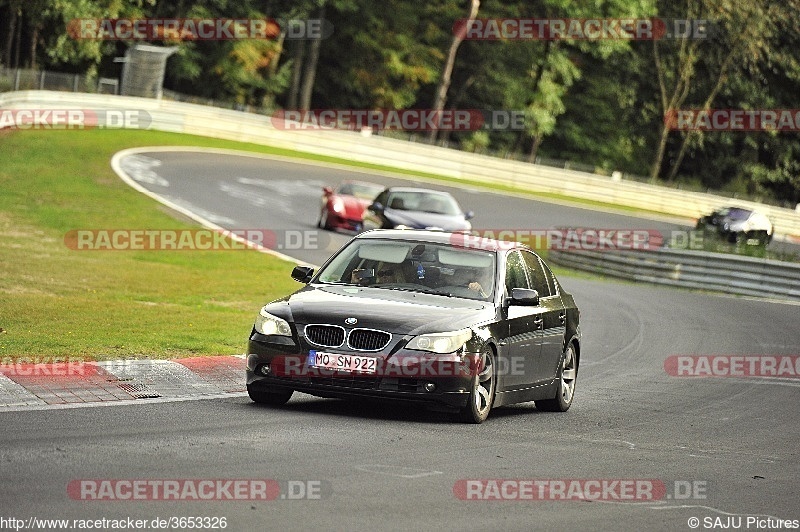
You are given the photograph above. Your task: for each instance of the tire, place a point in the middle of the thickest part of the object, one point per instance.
(565, 392)
(481, 396)
(269, 398)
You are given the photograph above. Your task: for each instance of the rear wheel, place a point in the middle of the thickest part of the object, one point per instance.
(567, 375)
(481, 394)
(269, 398)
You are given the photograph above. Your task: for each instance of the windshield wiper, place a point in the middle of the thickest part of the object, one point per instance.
(436, 292)
(421, 289)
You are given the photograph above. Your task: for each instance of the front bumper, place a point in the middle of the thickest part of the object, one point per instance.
(444, 383)
(340, 222)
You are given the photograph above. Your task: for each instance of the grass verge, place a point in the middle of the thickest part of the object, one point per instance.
(122, 304)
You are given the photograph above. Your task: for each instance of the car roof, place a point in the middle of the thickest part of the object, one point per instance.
(457, 239)
(417, 189)
(730, 208)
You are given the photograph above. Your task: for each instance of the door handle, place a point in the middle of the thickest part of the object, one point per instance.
(562, 317)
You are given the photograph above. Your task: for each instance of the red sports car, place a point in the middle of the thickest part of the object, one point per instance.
(343, 208)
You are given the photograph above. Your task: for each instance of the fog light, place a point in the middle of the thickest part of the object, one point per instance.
(429, 386)
(263, 370)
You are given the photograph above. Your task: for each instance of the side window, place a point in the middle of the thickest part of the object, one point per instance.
(382, 198)
(551, 280)
(536, 274)
(515, 272)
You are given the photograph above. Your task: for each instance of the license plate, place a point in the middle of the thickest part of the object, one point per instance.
(342, 362)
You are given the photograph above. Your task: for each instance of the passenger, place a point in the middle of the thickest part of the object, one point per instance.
(471, 279)
(389, 273)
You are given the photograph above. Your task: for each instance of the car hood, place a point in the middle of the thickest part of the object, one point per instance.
(394, 311)
(354, 207)
(424, 220)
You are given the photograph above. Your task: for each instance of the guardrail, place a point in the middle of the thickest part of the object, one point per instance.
(703, 270)
(246, 127)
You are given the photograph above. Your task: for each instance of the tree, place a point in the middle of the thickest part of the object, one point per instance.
(14, 10)
(447, 70)
(743, 32)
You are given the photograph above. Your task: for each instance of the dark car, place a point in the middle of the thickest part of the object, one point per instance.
(448, 320)
(416, 208)
(343, 207)
(738, 225)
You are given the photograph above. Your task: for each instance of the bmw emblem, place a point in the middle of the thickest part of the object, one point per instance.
(351, 321)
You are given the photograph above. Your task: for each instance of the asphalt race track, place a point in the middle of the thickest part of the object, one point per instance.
(284, 197)
(362, 466)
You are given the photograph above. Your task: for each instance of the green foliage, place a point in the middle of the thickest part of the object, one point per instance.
(599, 103)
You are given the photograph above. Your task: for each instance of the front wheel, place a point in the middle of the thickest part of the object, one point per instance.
(762, 238)
(323, 220)
(481, 394)
(269, 398)
(567, 375)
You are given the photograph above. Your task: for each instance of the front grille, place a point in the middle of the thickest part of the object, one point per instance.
(368, 339)
(362, 383)
(402, 385)
(325, 335)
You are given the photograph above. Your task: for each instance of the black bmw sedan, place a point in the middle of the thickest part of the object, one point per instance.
(456, 322)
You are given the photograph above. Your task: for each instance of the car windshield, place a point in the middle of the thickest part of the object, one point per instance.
(431, 202)
(738, 214)
(360, 190)
(425, 267)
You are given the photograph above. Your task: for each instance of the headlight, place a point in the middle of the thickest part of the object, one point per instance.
(268, 324)
(338, 205)
(446, 342)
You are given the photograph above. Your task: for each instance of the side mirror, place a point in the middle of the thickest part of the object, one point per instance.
(469, 215)
(302, 274)
(376, 207)
(524, 296)
(327, 191)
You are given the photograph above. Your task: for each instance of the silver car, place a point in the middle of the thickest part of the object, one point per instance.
(738, 225)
